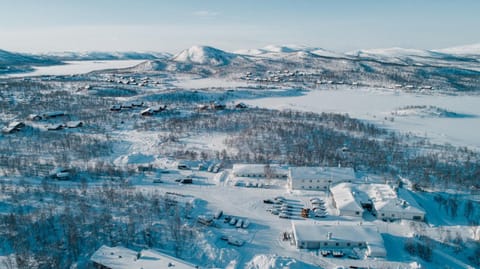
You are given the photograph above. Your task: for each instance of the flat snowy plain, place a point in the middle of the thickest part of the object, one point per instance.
(377, 105)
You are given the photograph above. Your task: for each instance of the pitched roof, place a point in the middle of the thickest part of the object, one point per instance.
(257, 169)
(305, 231)
(385, 198)
(124, 258)
(335, 173)
(344, 197)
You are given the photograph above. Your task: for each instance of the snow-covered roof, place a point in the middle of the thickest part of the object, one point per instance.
(242, 169)
(304, 231)
(124, 258)
(384, 198)
(335, 173)
(345, 199)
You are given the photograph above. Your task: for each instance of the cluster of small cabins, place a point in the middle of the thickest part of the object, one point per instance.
(17, 126)
(152, 110)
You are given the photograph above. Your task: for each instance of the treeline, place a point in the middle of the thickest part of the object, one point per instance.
(302, 138)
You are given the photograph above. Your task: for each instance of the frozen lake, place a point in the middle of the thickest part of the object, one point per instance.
(375, 105)
(77, 67)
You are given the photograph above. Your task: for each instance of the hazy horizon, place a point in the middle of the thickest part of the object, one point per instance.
(161, 26)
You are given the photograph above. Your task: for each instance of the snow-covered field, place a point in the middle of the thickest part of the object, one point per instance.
(378, 105)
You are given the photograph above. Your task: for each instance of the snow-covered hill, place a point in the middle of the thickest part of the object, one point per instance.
(204, 55)
(18, 62)
(275, 51)
(473, 49)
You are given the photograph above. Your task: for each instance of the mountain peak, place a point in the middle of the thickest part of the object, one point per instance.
(204, 55)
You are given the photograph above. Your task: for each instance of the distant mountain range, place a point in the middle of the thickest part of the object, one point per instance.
(452, 68)
(97, 55)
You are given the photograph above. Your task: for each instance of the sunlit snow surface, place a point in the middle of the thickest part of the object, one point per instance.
(377, 106)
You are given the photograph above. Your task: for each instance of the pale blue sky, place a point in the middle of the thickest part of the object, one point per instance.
(156, 25)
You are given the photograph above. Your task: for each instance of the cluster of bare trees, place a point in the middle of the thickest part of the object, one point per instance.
(301, 138)
(54, 227)
(421, 248)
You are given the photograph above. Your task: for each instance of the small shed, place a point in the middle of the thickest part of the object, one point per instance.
(74, 124)
(13, 127)
(54, 114)
(159, 108)
(55, 127)
(34, 117)
(60, 173)
(116, 108)
(147, 112)
(241, 105)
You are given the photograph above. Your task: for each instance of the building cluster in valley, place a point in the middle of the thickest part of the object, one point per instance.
(347, 197)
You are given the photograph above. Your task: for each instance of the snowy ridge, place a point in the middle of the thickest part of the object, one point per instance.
(473, 49)
(276, 51)
(392, 52)
(99, 55)
(13, 58)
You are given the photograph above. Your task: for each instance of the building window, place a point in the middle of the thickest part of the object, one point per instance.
(325, 244)
(309, 187)
(359, 244)
(310, 180)
(348, 244)
(337, 244)
(383, 214)
(303, 187)
(358, 213)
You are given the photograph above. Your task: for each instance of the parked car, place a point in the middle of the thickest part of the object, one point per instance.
(187, 180)
(268, 201)
(283, 216)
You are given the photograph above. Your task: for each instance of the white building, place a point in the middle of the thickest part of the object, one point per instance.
(390, 204)
(346, 201)
(124, 258)
(318, 178)
(383, 201)
(259, 171)
(314, 236)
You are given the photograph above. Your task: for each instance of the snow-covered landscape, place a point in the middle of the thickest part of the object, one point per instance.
(179, 128)
(281, 156)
